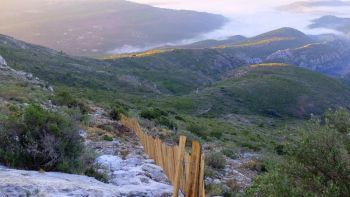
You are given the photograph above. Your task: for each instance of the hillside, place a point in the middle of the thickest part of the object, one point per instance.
(326, 57)
(276, 90)
(262, 45)
(175, 71)
(172, 71)
(85, 74)
(21, 87)
(93, 28)
(210, 43)
(238, 110)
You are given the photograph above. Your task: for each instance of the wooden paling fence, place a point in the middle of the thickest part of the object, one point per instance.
(184, 170)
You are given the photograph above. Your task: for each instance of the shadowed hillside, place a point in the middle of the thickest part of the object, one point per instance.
(273, 90)
(98, 28)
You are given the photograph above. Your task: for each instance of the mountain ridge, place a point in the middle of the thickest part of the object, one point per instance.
(86, 26)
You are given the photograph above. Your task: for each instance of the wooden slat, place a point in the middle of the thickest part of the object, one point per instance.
(184, 171)
(187, 173)
(178, 173)
(193, 189)
(201, 177)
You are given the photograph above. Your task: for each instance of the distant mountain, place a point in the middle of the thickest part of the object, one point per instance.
(175, 71)
(283, 33)
(259, 47)
(276, 90)
(211, 43)
(304, 6)
(332, 22)
(196, 68)
(278, 36)
(325, 37)
(215, 79)
(95, 28)
(330, 57)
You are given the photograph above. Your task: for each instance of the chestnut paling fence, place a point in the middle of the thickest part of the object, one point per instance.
(184, 170)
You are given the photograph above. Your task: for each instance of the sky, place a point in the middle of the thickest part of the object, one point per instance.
(252, 17)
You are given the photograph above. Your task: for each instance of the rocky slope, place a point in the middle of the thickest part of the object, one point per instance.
(21, 75)
(330, 57)
(128, 170)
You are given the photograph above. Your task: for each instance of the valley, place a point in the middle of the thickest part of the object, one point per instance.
(245, 99)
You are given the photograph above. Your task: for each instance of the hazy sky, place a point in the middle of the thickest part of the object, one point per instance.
(251, 17)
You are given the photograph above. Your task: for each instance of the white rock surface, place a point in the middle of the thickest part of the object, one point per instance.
(135, 176)
(132, 177)
(52, 184)
(2, 61)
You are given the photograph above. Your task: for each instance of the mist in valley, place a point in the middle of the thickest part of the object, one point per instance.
(117, 26)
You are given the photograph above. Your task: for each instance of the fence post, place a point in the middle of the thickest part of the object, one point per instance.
(185, 171)
(180, 158)
(201, 178)
(193, 185)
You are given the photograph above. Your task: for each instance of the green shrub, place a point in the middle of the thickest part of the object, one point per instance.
(216, 134)
(251, 146)
(91, 172)
(230, 153)
(117, 109)
(159, 116)
(107, 127)
(214, 189)
(208, 171)
(41, 139)
(107, 138)
(63, 97)
(166, 122)
(152, 113)
(339, 119)
(254, 165)
(280, 149)
(198, 130)
(216, 160)
(318, 164)
(177, 117)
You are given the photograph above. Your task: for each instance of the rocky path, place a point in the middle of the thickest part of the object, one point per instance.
(124, 161)
(130, 172)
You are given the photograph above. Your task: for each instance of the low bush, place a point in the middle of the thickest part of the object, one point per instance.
(159, 116)
(216, 160)
(280, 149)
(107, 138)
(63, 97)
(117, 110)
(339, 119)
(214, 189)
(230, 153)
(198, 130)
(36, 138)
(177, 117)
(317, 164)
(91, 172)
(254, 165)
(216, 134)
(152, 113)
(166, 122)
